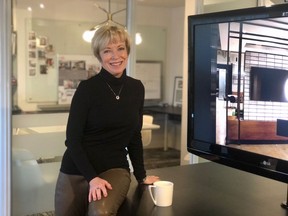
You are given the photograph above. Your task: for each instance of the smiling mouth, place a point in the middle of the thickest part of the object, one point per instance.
(116, 63)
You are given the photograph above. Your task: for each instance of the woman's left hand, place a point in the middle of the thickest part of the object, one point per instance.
(151, 179)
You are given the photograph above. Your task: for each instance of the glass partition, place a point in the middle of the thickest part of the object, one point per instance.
(50, 58)
(37, 149)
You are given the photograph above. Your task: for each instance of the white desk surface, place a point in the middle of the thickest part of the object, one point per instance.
(150, 126)
(62, 128)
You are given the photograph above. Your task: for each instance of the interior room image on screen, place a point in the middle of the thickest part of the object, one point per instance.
(238, 89)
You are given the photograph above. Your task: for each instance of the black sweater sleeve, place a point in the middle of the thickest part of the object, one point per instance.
(135, 147)
(75, 132)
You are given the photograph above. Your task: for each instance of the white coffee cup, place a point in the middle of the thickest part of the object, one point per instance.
(161, 193)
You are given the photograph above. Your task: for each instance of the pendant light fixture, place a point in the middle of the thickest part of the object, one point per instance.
(88, 35)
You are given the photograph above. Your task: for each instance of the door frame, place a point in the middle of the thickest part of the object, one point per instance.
(5, 106)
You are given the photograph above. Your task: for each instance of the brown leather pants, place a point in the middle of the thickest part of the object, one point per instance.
(71, 195)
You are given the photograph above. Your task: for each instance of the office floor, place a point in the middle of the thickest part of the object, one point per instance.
(272, 150)
(158, 158)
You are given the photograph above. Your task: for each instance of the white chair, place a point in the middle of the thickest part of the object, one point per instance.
(147, 134)
(33, 184)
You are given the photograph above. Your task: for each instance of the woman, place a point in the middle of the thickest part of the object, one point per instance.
(104, 125)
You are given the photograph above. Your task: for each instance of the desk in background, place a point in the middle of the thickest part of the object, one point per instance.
(62, 128)
(209, 189)
(170, 112)
(44, 134)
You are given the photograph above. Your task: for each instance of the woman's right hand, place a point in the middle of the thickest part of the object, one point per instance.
(97, 187)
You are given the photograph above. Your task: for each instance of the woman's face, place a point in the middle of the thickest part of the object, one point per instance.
(114, 58)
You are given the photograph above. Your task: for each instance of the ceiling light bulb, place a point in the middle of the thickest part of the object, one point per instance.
(138, 38)
(29, 8)
(88, 35)
(42, 6)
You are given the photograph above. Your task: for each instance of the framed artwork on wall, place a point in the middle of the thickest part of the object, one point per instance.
(177, 96)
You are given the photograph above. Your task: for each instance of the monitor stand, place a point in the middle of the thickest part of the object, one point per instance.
(284, 204)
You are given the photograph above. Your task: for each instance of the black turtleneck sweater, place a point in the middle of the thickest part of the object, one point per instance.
(101, 128)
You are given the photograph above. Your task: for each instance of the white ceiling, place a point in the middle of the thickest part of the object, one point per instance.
(154, 3)
(169, 3)
(162, 3)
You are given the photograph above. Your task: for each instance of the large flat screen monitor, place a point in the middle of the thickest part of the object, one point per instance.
(237, 128)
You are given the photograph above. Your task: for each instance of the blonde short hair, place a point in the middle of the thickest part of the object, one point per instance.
(109, 34)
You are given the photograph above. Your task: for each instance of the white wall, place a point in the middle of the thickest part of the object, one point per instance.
(190, 9)
(174, 51)
(230, 5)
(172, 20)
